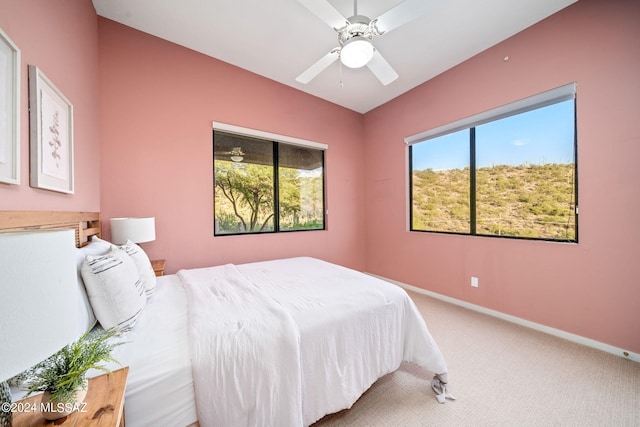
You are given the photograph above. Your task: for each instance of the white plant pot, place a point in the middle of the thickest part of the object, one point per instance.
(54, 410)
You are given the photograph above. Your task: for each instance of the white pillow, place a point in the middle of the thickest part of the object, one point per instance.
(115, 289)
(87, 317)
(141, 260)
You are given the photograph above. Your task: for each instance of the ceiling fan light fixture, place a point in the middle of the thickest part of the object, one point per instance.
(236, 158)
(356, 52)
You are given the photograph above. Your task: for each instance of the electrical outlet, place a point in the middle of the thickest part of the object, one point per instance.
(474, 282)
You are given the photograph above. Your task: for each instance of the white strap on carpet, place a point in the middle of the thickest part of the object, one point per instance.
(440, 388)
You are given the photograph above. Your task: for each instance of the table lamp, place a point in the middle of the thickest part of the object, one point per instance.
(137, 230)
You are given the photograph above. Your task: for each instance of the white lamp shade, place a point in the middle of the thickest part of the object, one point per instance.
(356, 52)
(138, 230)
(39, 297)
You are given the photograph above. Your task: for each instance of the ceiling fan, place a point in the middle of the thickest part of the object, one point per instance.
(355, 36)
(235, 155)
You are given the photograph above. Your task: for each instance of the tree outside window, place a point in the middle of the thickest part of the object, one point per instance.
(271, 187)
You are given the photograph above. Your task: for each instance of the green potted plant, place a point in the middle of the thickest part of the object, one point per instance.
(62, 377)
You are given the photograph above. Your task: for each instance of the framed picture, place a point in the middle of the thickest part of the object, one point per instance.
(51, 135)
(9, 111)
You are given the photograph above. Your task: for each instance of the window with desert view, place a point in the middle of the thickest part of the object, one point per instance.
(510, 177)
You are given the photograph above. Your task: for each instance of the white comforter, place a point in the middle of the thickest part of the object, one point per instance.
(245, 352)
(286, 342)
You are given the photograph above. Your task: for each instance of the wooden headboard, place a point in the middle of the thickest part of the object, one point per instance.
(85, 224)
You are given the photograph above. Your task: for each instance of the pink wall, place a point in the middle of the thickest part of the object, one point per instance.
(158, 101)
(591, 288)
(61, 38)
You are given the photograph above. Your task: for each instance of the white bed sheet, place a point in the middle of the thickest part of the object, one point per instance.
(160, 384)
(160, 389)
(354, 329)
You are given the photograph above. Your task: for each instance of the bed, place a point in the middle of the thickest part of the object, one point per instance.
(280, 342)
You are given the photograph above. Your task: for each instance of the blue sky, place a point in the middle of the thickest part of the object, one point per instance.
(539, 136)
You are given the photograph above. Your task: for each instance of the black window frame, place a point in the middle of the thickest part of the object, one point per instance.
(472, 177)
(276, 182)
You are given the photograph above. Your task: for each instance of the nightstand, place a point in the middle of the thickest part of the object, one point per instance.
(104, 405)
(158, 266)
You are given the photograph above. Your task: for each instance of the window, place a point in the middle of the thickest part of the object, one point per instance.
(509, 172)
(266, 186)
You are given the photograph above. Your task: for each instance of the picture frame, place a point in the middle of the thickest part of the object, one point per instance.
(51, 135)
(9, 110)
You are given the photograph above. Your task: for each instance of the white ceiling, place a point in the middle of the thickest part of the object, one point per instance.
(279, 39)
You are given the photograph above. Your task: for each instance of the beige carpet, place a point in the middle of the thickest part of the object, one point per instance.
(502, 375)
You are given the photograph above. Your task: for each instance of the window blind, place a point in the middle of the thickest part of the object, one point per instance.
(553, 96)
(238, 130)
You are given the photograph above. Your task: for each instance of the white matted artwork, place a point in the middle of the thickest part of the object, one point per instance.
(51, 127)
(9, 111)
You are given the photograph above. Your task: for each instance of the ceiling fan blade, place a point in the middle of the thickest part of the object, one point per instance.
(318, 67)
(381, 68)
(406, 11)
(323, 10)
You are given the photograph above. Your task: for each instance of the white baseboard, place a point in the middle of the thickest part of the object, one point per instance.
(513, 319)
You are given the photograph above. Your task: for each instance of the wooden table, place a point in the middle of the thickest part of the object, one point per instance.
(103, 405)
(158, 266)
